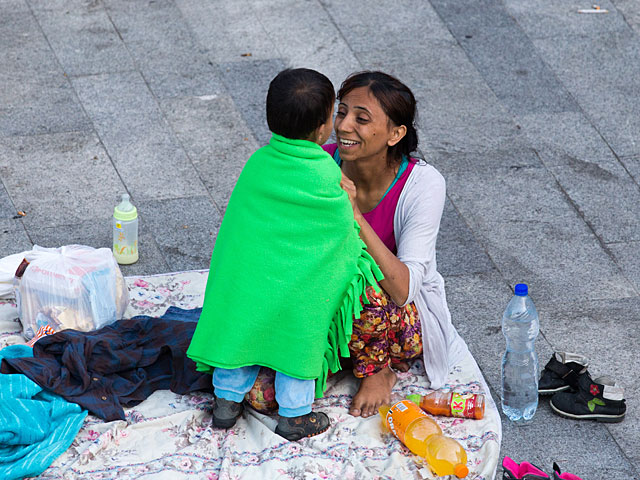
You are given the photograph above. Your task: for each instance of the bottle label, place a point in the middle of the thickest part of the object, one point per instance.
(401, 415)
(463, 405)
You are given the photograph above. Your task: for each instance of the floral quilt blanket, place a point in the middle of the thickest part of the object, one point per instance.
(169, 437)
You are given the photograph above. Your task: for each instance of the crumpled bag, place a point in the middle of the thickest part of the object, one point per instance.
(74, 286)
(8, 267)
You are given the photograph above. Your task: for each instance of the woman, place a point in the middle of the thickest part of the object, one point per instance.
(397, 201)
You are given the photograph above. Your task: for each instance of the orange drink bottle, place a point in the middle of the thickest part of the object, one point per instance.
(423, 436)
(451, 404)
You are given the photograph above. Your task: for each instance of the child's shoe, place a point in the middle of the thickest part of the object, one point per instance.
(525, 471)
(562, 373)
(598, 399)
(225, 413)
(309, 425)
(558, 475)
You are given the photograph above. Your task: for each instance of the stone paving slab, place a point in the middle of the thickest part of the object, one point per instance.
(531, 232)
(632, 164)
(13, 237)
(458, 251)
(438, 59)
(627, 258)
(228, 30)
(547, 18)
(184, 229)
(560, 138)
(84, 40)
(24, 48)
(136, 135)
(504, 55)
(607, 197)
(462, 116)
(59, 179)
(602, 73)
(164, 49)
(386, 27)
(631, 11)
(41, 104)
(310, 41)
(216, 139)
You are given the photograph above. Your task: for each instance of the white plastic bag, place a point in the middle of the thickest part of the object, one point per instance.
(74, 286)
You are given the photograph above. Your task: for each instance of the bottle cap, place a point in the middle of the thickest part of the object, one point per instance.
(125, 211)
(522, 290)
(460, 470)
(414, 398)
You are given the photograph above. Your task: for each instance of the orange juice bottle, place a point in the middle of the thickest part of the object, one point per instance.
(423, 436)
(451, 404)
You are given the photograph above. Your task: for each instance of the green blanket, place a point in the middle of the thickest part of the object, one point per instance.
(288, 268)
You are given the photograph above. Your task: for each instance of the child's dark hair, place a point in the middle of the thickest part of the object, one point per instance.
(299, 101)
(397, 101)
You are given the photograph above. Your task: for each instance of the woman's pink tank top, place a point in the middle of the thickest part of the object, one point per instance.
(381, 217)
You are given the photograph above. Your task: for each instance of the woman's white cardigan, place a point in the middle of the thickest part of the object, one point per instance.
(416, 223)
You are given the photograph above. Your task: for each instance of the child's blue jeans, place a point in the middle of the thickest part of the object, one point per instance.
(294, 396)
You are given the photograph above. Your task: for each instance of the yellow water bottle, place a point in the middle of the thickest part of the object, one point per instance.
(125, 232)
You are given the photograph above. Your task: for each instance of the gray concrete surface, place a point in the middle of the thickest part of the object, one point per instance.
(529, 109)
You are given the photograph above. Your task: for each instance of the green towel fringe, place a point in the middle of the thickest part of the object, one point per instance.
(341, 327)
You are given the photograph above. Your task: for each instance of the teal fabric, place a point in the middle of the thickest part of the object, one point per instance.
(36, 426)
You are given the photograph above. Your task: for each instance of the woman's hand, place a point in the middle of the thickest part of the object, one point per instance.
(348, 186)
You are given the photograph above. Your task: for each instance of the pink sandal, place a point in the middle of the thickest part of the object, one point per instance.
(524, 471)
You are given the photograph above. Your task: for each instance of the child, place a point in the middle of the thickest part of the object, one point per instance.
(286, 267)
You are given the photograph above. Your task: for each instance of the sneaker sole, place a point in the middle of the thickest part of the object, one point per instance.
(549, 391)
(295, 438)
(597, 417)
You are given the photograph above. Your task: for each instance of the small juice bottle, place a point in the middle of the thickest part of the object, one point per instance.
(451, 404)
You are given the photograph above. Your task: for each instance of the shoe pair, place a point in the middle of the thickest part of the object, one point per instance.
(528, 471)
(226, 413)
(576, 395)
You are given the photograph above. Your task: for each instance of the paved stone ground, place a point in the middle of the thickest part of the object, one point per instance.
(529, 109)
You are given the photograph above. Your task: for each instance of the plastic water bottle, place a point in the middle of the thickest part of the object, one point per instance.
(125, 232)
(520, 326)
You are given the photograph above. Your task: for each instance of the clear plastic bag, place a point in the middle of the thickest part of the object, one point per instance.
(74, 286)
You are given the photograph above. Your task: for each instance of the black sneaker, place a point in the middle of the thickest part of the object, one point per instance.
(598, 399)
(225, 413)
(562, 373)
(309, 425)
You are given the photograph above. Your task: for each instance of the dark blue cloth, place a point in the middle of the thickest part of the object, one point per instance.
(119, 365)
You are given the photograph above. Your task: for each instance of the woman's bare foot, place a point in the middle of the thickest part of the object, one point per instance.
(374, 392)
(401, 367)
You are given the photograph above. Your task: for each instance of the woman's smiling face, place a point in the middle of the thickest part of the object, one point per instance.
(362, 127)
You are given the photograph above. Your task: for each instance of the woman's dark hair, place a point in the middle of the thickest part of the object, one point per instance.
(299, 101)
(397, 101)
